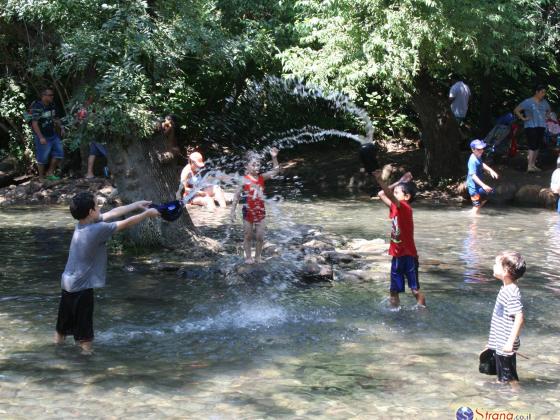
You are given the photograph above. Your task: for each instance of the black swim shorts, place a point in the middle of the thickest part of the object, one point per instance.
(506, 368)
(75, 315)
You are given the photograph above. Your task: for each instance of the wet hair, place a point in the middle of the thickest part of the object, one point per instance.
(540, 87)
(512, 262)
(81, 204)
(408, 188)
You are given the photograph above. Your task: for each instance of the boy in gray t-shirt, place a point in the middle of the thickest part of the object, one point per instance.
(507, 318)
(87, 264)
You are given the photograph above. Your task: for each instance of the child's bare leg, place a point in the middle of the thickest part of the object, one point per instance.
(394, 299)
(59, 338)
(475, 210)
(259, 240)
(86, 346)
(420, 298)
(247, 240)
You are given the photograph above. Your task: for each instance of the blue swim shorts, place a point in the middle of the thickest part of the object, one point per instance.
(52, 148)
(97, 149)
(401, 267)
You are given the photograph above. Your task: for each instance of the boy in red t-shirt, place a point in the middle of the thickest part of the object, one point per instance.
(398, 197)
(251, 194)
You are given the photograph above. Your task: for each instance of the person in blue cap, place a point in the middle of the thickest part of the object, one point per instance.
(478, 190)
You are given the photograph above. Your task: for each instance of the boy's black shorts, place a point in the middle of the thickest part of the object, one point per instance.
(506, 368)
(75, 315)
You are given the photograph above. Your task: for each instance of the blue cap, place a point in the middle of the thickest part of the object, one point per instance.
(477, 144)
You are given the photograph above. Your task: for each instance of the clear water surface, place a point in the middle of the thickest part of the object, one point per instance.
(167, 346)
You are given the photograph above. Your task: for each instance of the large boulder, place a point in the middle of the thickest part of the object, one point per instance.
(535, 196)
(505, 192)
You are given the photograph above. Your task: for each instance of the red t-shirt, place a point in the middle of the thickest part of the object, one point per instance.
(402, 230)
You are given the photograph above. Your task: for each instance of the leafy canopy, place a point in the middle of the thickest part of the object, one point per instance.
(348, 44)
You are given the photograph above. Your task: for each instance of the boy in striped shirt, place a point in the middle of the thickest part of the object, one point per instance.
(507, 318)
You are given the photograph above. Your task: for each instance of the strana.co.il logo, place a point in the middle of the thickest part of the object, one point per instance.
(464, 413)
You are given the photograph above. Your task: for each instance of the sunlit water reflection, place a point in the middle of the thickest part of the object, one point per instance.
(169, 346)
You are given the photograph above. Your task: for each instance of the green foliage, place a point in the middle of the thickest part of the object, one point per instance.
(363, 46)
(12, 110)
(137, 60)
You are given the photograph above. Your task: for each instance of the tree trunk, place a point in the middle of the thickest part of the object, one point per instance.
(486, 99)
(440, 131)
(141, 174)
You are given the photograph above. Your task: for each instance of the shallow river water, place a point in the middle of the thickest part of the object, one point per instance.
(167, 346)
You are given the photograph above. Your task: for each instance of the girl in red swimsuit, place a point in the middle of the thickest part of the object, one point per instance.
(251, 194)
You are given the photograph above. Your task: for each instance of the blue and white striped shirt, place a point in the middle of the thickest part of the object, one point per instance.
(508, 304)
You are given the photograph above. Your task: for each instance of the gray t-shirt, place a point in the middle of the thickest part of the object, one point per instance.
(87, 260)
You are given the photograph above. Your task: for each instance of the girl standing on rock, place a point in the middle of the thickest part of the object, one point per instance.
(251, 195)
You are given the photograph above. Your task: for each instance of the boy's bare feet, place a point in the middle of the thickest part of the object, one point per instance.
(249, 261)
(59, 338)
(394, 300)
(86, 347)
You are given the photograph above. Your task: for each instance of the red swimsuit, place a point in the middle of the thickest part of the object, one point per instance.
(253, 194)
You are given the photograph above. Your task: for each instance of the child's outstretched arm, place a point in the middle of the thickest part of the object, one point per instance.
(491, 171)
(137, 218)
(515, 331)
(122, 210)
(275, 165)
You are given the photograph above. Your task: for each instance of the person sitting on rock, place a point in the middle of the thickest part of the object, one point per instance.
(195, 193)
(251, 194)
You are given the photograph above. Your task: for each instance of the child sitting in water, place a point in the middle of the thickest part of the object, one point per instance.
(398, 197)
(87, 264)
(507, 318)
(251, 194)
